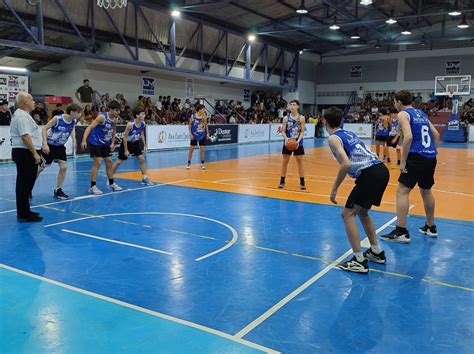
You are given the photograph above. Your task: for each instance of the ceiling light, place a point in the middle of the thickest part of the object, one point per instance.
(334, 26)
(301, 52)
(355, 35)
(301, 10)
(252, 37)
(463, 24)
(406, 31)
(175, 13)
(378, 45)
(455, 10)
(13, 69)
(391, 21)
(423, 41)
(366, 2)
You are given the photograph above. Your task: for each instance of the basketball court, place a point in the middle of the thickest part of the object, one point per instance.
(221, 260)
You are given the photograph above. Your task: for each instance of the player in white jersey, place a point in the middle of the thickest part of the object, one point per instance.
(371, 177)
(134, 132)
(55, 136)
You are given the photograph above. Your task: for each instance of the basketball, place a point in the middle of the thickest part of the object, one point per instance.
(292, 144)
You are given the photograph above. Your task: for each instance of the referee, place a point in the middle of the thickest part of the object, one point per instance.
(26, 144)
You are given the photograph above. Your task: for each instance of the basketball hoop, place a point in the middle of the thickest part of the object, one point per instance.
(111, 4)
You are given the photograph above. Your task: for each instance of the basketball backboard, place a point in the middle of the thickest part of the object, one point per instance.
(453, 85)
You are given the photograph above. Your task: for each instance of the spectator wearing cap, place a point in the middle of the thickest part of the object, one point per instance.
(5, 115)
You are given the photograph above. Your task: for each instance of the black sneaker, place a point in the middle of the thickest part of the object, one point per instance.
(31, 218)
(375, 257)
(430, 231)
(302, 187)
(59, 194)
(281, 185)
(397, 236)
(353, 265)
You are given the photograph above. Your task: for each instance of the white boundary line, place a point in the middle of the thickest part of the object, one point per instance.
(97, 196)
(230, 243)
(252, 325)
(117, 242)
(142, 309)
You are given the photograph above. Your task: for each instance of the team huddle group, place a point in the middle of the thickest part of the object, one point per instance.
(410, 130)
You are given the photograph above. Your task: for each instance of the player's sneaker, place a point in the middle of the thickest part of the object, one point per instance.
(375, 257)
(281, 185)
(188, 166)
(147, 182)
(353, 265)
(302, 187)
(203, 167)
(115, 187)
(397, 236)
(59, 194)
(95, 190)
(430, 231)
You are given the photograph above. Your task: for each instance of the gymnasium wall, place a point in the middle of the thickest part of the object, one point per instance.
(413, 70)
(63, 79)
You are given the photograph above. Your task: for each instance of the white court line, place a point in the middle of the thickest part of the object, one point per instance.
(141, 309)
(252, 325)
(117, 242)
(230, 243)
(97, 196)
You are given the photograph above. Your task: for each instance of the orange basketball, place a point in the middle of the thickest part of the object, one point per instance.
(292, 144)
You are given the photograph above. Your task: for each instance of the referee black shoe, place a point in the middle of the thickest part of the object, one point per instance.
(59, 194)
(353, 265)
(430, 231)
(31, 218)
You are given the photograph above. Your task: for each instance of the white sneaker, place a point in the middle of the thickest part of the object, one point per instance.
(203, 167)
(188, 166)
(96, 191)
(147, 182)
(115, 187)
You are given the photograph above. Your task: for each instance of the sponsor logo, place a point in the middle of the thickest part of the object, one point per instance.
(2, 140)
(254, 133)
(453, 125)
(3, 80)
(12, 96)
(161, 137)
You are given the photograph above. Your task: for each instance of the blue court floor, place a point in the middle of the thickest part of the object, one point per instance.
(172, 269)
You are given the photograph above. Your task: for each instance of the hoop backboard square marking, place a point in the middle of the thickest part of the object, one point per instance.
(459, 85)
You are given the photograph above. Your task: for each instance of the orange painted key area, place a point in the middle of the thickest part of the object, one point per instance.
(259, 175)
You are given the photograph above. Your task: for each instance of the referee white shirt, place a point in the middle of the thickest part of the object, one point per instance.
(23, 123)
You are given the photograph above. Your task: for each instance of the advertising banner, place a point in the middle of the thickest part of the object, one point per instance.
(11, 85)
(253, 132)
(167, 136)
(5, 144)
(363, 131)
(222, 134)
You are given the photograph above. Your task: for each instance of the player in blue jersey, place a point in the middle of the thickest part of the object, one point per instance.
(372, 177)
(293, 128)
(198, 133)
(134, 132)
(394, 138)
(417, 166)
(382, 131)
(101, 138)
(55, 135)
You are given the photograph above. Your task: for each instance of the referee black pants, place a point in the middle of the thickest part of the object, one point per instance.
(26, 169)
